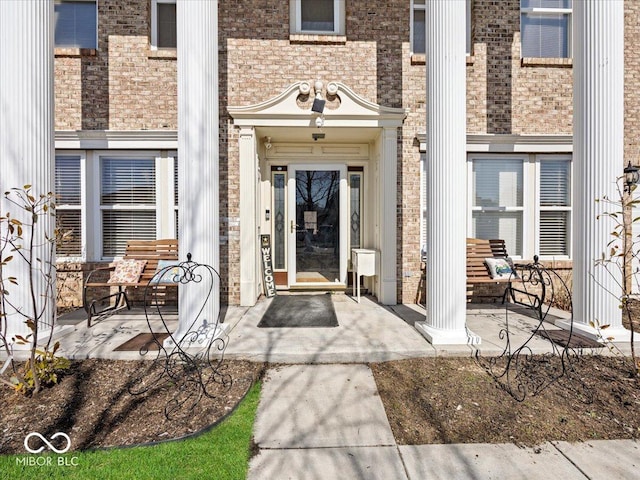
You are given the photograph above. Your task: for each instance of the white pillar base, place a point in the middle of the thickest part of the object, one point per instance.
(618, 333)
(436, 336)
(191, 342)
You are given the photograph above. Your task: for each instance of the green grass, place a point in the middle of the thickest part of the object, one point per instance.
(222, 453)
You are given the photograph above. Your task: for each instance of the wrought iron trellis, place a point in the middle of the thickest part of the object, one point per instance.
(192, 365)
(517, 370)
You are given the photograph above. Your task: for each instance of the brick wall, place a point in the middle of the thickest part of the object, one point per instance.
(632, 83)
(123, 85)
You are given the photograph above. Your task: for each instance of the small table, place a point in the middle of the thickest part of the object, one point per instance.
(364, 263)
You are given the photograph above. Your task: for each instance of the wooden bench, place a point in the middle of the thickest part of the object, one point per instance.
(150, 250)
(479, 249)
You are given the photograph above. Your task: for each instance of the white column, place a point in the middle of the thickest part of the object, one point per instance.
(446, 174)
(388, 188)
(598, 146)
(248, 218)
(26, 137)
(198, 189)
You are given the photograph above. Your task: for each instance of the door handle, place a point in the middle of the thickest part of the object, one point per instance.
(292, 226)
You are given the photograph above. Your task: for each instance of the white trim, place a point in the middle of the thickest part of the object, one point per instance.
(479, 143)
(113, 139)
(283, 111)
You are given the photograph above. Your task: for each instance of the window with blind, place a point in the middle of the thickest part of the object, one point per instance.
(497, 201)
(531, 221)
(163, 24)
(75, 24)
(68, 188)
(545, 28)
(127, 202)
(555, 207)
(418, 26)
(317, 16)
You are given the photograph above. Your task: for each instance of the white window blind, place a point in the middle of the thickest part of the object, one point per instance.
(68, 188)
(127, 199)
(75, 24)
(418, 27)
(555, 203)
(497, 196)
(498, 183)
(167, 35)
(317, 15)
(545, 28)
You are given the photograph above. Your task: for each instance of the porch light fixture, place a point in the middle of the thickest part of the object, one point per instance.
(318, 104)
(631, 177)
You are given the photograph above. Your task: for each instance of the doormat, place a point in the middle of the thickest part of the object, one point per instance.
(142, 341)
(300, 311)
(561, 337)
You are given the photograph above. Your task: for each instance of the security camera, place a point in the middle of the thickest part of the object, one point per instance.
(319, 122)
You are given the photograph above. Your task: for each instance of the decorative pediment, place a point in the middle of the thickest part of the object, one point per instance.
(339, 106)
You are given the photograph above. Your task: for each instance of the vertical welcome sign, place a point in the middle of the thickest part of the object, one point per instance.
(267, 266)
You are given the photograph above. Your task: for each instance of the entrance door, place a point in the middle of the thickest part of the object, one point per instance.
(318, 224)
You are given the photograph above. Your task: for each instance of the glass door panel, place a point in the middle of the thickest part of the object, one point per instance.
(319, 236)
(317, 224)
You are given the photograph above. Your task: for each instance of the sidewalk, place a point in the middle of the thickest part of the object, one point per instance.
(320, 416)
(328, 422)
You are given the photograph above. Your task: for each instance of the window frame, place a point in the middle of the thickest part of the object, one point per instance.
(95, 44)
(531, 207)
(551, 12)
(154, 24)
(422, 7)
(295, 11)
(164, 207)
(82, 206)
(541, 158)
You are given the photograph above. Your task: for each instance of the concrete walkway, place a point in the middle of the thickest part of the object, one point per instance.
(328, 422)
(320, 415)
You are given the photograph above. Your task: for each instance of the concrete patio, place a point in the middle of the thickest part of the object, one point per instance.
(367, 332)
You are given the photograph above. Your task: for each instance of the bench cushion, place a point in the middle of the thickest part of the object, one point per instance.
(499, 268)
(127, 271)
(167, 272)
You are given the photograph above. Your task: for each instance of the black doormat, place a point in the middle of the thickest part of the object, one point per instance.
(300, 311)
(142, 340)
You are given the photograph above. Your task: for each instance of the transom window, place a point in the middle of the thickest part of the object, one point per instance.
(545, 28)
(524, 200)
(318, 16)
(163, 24)
(75, 24)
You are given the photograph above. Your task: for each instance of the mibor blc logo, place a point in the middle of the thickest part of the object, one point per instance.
(44, 443)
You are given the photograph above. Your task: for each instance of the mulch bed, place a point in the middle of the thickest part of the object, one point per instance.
(92, 405)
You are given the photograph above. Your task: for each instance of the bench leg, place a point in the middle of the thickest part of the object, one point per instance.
(93, 311)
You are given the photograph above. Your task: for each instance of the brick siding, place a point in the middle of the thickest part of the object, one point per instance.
(123, 85)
